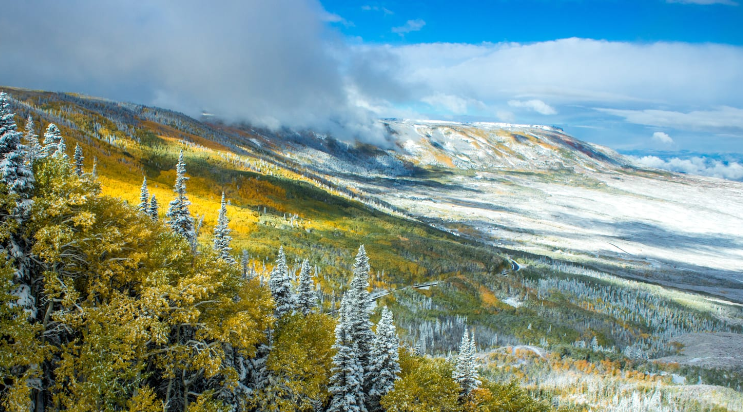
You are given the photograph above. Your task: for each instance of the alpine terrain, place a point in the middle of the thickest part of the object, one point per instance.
(153, 261)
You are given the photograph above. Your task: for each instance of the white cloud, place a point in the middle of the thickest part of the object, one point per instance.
(409, 26)
(723, 118)
(662, 137)
(335, 18)
(384, 10)
(311, 77)
(535, 104)
(695, 165)
(704, 2)
(579, 71)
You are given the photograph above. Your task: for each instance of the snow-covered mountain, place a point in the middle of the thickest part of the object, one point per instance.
(535, 189)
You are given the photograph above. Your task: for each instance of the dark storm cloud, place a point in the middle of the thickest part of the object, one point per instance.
(271, 63)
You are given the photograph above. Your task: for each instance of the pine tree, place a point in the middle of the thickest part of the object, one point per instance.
(222, 236)
(52, 137)
(281, 287)
(32, 140)
(244, 258)
(465, 371)
(385, 364)
(178, 216)
(154, 209)
(359, 310)
(62, 150)
(144, 197)
(346, 384)
(306, 295)
(78, 160)
(14, 170)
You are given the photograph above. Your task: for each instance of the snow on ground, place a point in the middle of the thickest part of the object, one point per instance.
(658, 225)
(709, 350)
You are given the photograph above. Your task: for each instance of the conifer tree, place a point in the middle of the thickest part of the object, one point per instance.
(465, 370)
(244, 258)
(222, 236)
(154, 209)
(61, 150)
(178, 216)
(281, 287)
(14, 170)
(359, 310)
(306, 295)
(385, 364)
(346, 384)
(78, 160)
(144, 197)
(32, 140)
(52, 137)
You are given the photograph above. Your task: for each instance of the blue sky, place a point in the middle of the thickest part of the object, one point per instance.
(649, 76)
(496, 21)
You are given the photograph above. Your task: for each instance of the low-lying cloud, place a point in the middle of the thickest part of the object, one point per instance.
(697, 165)
(662, 137)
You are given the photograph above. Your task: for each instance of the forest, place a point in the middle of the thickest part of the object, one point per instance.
(108, 307)
(153, 262)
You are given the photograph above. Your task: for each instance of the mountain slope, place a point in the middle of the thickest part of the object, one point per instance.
(321, 198)
(535, 189)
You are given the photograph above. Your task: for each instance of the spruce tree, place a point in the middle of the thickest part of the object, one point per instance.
(14, 170)
(472, 364)
(178, 216)
(52, 137)
(32, 140)
(281, 287)
(359, 310)
(222, 236)
(61, 150)
(78, 160)
(244, 258)
(306, 295)
(154, 209)
(144, 197)
(385, 364)
(465, 370)
(346, 384)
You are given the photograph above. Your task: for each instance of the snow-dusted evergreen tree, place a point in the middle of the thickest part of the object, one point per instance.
(244, 259)
(178, 216)
(347, 381)
(465, 370)
(359, 310)
(222, 236)
(154, 209)
(144, 197)
(281, 287)
(306, 294)
(385, 364)
(61, 150)
(14, 170)
(32, 140)
(52, 136)
(78, 160)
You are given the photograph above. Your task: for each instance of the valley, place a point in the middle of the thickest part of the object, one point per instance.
(586, 282)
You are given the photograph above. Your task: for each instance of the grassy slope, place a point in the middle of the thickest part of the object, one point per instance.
(328, 230)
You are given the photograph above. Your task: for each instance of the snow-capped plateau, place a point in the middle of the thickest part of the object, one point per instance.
(535, 189)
